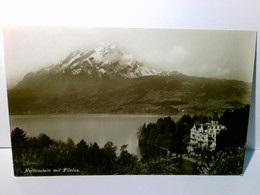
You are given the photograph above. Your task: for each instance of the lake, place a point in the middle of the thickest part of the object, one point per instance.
(100, 128)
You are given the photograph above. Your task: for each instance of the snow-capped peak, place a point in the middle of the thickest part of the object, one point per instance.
(106, 61)
(109, 53)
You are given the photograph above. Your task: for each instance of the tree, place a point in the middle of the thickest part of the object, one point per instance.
(109, 151)
(59, 154)
(236, 123)
(81, 153)
(127, 163)
(43, 141)
(109, 158)
(19, 141)
(224, 163)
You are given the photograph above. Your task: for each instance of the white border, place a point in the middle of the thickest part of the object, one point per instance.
(185, 14)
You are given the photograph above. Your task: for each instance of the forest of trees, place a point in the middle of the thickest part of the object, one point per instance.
(43, 152)
(166, 135)
(34, 155)
(42, 155)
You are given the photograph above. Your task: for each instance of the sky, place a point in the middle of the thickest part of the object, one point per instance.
(206, 53)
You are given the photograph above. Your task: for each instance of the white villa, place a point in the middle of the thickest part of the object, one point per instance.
(204, 136)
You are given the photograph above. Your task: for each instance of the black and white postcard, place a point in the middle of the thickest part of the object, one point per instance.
(119, 101)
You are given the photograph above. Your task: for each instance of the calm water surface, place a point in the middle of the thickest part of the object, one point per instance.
(100, 128)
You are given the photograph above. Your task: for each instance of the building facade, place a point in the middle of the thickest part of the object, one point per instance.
(204, 136)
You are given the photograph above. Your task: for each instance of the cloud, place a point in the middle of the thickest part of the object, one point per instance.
(182, 60)
(113, 57)
(168, 60)
(212, 70)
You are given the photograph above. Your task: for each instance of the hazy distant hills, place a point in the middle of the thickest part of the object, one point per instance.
(105, 80)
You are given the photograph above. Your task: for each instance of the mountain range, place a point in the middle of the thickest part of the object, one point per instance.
(105, 80)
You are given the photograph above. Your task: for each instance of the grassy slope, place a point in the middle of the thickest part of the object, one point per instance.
(155, 94)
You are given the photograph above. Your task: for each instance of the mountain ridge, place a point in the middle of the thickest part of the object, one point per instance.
(107, 61)
(104, 80)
